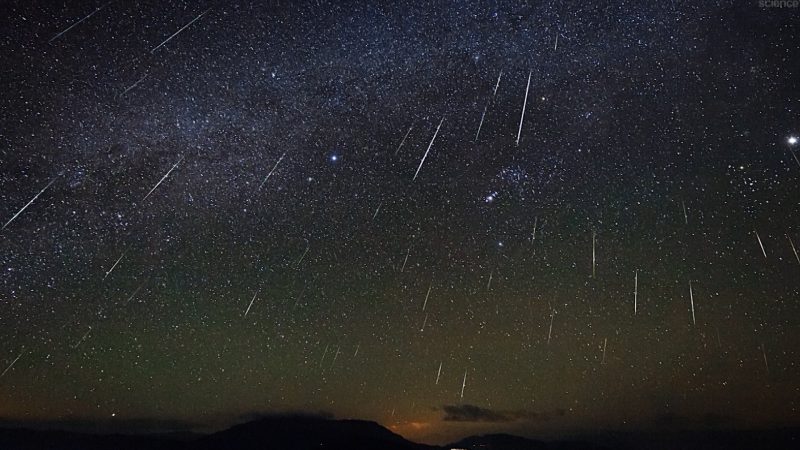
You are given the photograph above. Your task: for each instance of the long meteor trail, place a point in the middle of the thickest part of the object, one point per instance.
(108, 272)
(428, 150)
(691, 300)
(760, 244)
(794, 249)
(133, 85)
(463, 384)
(251, 303)
(524, 105)
(427, 295)
(181, 30)
(29, 203)
(405, 260)
(272, 171)
(12, 363)
(635, 292)
(404, 139)
(480, 125)
(163, 178)
(77, 23)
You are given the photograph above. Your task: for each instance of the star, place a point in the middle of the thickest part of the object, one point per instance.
(792, 140)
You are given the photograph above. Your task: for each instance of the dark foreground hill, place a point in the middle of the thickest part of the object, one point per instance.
(303, 433)
(775, 439)
(307, 433)
(278, 433)
(510, 442)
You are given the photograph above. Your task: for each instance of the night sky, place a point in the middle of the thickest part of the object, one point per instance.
(456, 217)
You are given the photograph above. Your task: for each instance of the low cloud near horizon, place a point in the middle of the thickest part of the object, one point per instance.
(473, 413)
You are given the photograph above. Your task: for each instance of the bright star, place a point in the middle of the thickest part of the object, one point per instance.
(334, 158)
(792, 140)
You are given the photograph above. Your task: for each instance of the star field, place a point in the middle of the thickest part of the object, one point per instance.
(214, 209)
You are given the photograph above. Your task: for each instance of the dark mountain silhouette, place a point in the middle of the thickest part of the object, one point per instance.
(306, 433)
(510, 442)
(773, 439)
(17, 439)
(278, 433)
(294, 433)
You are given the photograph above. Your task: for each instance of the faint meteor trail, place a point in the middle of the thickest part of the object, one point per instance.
(272, 171)
(377, 210)
(556, 46)
(12, 363)
(163, 178)
(550, 332)
(794, 249)
(299, 297)
(251, 303)
(83, 338)
(497, 84)
(302, 257)
(594, 254)
(428, 150)
(794, 155)
(685, 216)
(535, 222)
(77, 23)
(489, 284)
(427, 295)
(760, 244)
(605, 342)
(439, 373)
(131, 297)
(524, 105)
(179, 31)
(423, 324)
(463, 384)
(635, 291)
(28, 204)
(323, 355)
(764, 353)
(405, 260)
(691, 300)
(481, 124)
(404, 140)
(356, 353)
(134, 84)
(115, 265)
